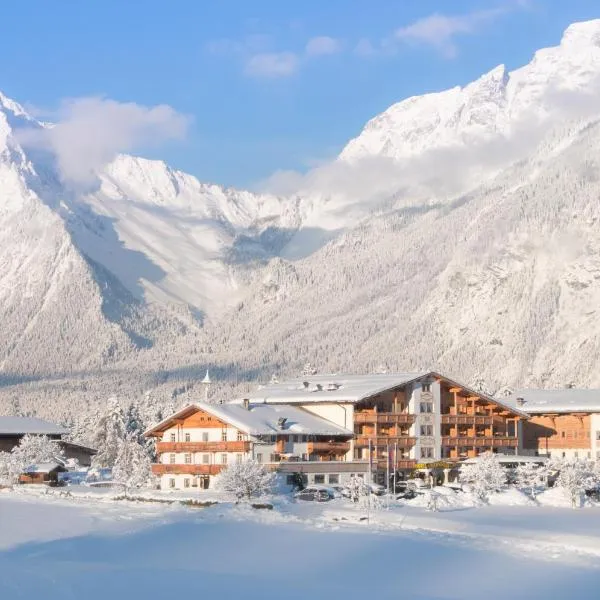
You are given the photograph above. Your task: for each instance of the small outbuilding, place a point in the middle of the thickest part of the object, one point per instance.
(42, 473)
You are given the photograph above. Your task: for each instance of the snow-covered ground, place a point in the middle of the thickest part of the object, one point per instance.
(54, 547)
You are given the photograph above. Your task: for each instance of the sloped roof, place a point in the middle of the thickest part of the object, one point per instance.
(44, 468)
(31, 425)
(331, 388)
(557, 400)
(261, 419)
(350, 388)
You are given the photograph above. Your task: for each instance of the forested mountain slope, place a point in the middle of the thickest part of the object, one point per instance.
(458, 231)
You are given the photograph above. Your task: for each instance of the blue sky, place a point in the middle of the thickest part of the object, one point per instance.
(267, 84)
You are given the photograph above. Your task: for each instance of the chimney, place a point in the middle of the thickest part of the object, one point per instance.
(305, 384)
(521, 401)
(246, 403)
(281, 422)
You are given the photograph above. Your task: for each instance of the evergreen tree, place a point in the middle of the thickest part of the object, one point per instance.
(132, 465)
(110, 432)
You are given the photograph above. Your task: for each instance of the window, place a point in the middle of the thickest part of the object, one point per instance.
(171, 483)
(564, 454)
(223, 459)
(172, 437)
(187, 459)
(426, 452)
(290, 480)
(205, 459)
(319, 478)
(224, 435)
(205, 436)
(426, 429)
(295, 439)
(598, 435)
(186, 483)
(426, 407)
(274, 458)
(304, 438)
(305, 457)
(576, 454)
(426, 387)
(589, 455)
(195, 482)
(188, 437)
(562, 434)
(259, 458)
(333, 479)
(240, 436)
(238, 458)
(171, 459)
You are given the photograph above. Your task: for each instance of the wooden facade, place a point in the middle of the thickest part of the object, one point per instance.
(544, 433)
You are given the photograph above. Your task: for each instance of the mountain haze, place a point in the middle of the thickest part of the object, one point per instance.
(458, 231)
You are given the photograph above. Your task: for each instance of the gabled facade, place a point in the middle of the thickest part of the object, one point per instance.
(406, 420)
(197, 442)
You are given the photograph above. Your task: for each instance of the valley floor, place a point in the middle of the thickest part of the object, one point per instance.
(54, 548)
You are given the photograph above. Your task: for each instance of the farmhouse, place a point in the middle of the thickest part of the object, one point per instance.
(12, 429)
(564, 423)
(197, 442)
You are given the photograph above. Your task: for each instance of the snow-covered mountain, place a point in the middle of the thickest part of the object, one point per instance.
(458, 231)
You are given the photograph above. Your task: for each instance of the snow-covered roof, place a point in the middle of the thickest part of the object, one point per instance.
(509, 459)
(44, 467)
(31, 425)
(261, 419)
(331, 388)
(349, 388)
(556, 401)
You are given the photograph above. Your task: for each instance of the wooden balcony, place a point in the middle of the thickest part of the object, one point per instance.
(481, 442)
(328, 447)
(160, 469)
(402, 441)
(384, 418)
(202, 447)
(471, 420)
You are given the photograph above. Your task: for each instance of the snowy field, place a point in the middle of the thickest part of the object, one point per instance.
(77, 548)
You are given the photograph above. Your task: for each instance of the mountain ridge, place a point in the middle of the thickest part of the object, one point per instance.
(475, 253)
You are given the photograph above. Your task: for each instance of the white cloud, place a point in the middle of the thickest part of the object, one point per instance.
(272, 64)
(90, 132)
(439, 30)
(322, 45)
(364, 48)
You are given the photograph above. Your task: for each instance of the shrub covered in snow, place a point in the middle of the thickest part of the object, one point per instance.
(485, 476)
(576, 476)
(529, 476)
(245, 480)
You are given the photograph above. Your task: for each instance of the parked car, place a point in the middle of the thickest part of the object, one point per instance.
(376, 489)
(313, 494)
(407, 494)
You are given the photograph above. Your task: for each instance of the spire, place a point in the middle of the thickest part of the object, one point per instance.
(206, 382)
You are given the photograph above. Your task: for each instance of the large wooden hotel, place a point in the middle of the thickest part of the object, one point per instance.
(330, 427)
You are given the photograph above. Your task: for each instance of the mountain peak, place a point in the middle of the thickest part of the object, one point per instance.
(584, 33)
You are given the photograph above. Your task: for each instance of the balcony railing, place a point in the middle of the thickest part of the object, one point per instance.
(328, 447)
(160, 469)
(384, 418)
(481, 442)
(467, 420)
(403, 441)
(202, 447)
